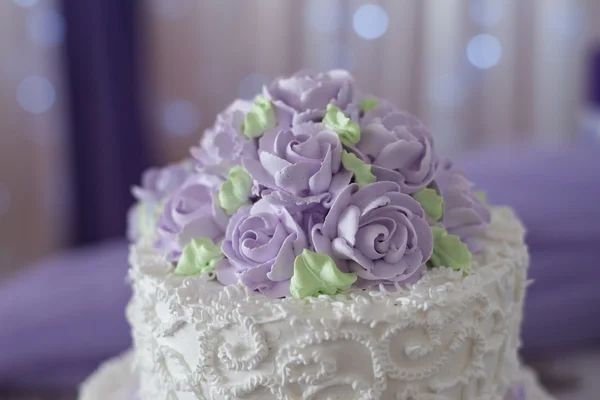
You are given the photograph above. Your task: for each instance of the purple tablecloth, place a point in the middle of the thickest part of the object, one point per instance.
(557, 195)
(63, 317)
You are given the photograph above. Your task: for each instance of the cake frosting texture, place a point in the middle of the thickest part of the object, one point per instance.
(316, 246)
(447, 337)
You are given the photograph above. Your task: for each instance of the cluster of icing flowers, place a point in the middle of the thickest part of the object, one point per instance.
(312, 188)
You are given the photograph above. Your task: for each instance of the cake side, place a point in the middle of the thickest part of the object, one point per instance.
(114, 380)
(449, 336)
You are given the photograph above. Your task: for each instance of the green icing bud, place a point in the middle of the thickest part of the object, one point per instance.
(347, 130)
(449, 251)
(316, 273)
(432, 203)
(367, 105)
(200, 256)
(146, 217)
(361, 170)
(260, 119)
(481, 196)
(236, 190)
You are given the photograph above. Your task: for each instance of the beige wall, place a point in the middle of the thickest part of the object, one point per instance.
(31, 145)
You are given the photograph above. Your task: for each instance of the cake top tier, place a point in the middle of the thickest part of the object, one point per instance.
(312, 188)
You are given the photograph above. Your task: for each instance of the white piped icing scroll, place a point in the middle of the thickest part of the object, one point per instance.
(448, 337)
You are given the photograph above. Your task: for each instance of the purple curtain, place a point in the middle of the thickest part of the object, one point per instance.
(109, 155)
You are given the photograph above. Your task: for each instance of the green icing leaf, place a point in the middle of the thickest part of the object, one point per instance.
(481, 196)
(361, 170)
(367, 105)
(347, 130)
(260, 119)
(199, 257)
(316, 273)
(145, 219)
(146, 216)
(236, 190)
(449, 251)
(432, 203)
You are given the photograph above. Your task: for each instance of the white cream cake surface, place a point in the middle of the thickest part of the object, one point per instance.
(450, 336)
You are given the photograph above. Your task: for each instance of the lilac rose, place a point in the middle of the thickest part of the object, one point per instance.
(191, 212)
(299, 166)
(157, 183)
(261, 243)
(225, 144)
(382, 110)
(400, 150)
(160, 182)
(376, 232)
(304, 96)
(464, 214)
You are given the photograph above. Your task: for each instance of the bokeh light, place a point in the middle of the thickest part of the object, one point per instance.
(370, 21)
(446, 90)
(252, 85)
(181, 118)
(484, 51)
(25, 3)
(36, 94)
(46, 27)
(5, 199)
(324, 15)
(486, 12)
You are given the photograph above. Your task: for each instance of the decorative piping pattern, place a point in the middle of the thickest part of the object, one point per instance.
(432, 341)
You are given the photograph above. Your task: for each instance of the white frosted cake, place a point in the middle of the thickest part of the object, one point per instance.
(316, 246)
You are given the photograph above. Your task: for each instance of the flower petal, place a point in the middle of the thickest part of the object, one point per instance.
(348, 224)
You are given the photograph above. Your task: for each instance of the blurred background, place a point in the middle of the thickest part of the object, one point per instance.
(96, 91)
(93, 92)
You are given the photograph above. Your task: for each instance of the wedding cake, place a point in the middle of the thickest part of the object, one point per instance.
(316, 246)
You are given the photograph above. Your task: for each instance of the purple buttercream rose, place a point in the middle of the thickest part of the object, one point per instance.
(305, 96)
(464, 215)
(157, 183)
(299, 166)
(191, 212)
(383, 108)
(160, 182)
(261, 244)
(400, 150)
(225, 144)
(377, 232)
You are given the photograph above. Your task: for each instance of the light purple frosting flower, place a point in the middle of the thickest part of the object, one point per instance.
(261, 244)
(304, 96)
(377, 232)
(157, 183)
(160, 182)
(225, 144)
(400, 150)
(305, 198)
(464, 215)
(191, 212)
(299, 166)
